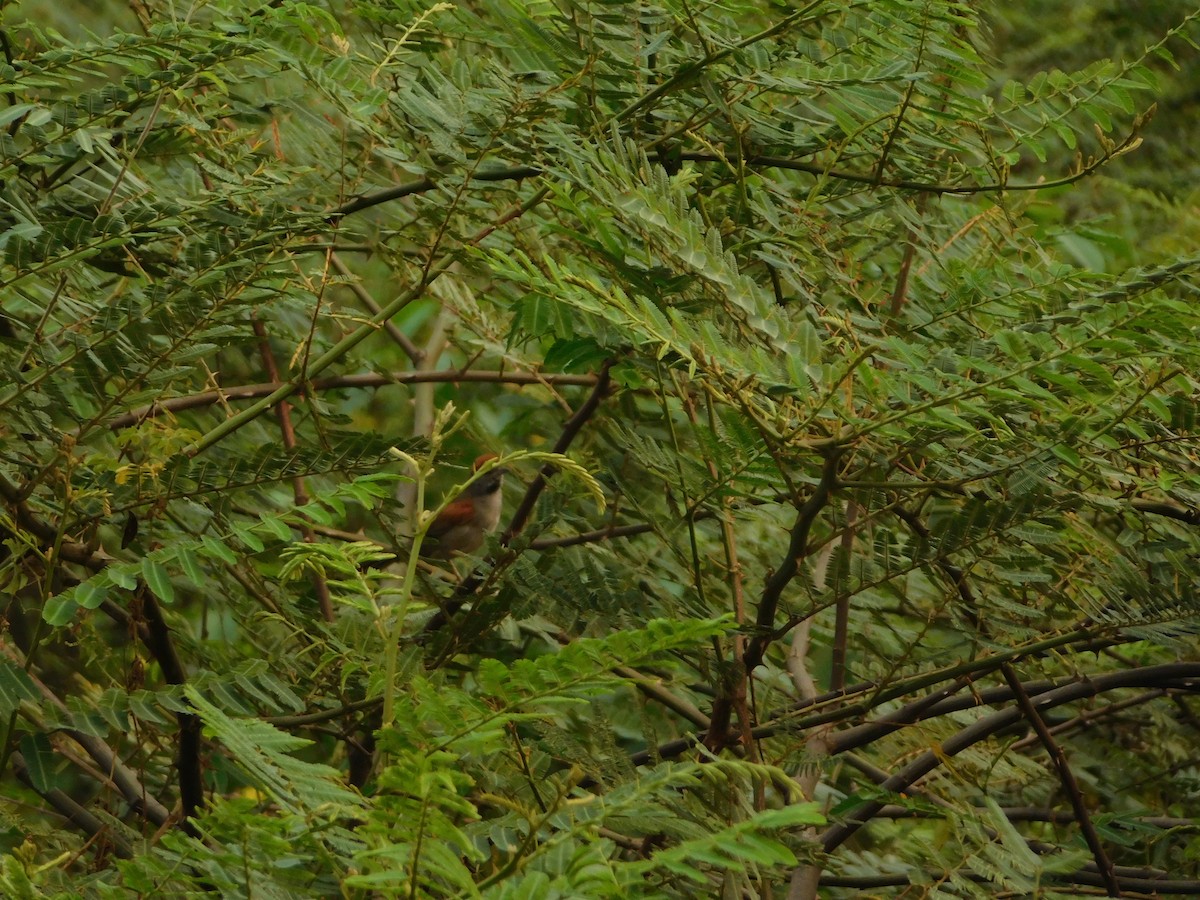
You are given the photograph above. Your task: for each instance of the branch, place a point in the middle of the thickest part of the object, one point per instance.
(592, 537)
(765, 631)
(283, 412)
(570, 430)
(1185, 676)
(422, 185)
(255, 391)
(1170, 510)
(1066, 776)
(1152, 886)
(342, 348)
(1086, 717)
(797, 550)
(654, 689)
(812, 168)
(758, 161)
(107, 762)
(861, 698)
(324, 715)
(415, 353)
(841, 624)
(71, 551)
(187, 762)
(72, 811)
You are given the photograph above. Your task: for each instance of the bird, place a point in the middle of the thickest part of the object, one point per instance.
(464, 524)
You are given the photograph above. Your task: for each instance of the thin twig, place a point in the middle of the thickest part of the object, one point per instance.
(592, 537)
(415, 353)
(256, 391)
(1184, 676)
(755, 161)
(324, 715)
(283, 412)
(1066, 776)
(1085, 718)
(806, 515)
(187, 759)
(570, 430)
(841, 622)
(85, 821)
(1152, 887)
(422, 185)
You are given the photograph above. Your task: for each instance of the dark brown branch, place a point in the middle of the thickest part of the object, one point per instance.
(1151, 886)
(861, 698)
(325, 715)
(1066, 776)
(1184, 676)
(806, 515)
(1170, 510)
(422, 185)
(255, 391)
(653, 689)
(765, 631)
(919, 710)
(47, 534)
(570, 430)
(187, 761)
(1086, 717)
(759, 161)
(85, 821)
(107, 762)
(592, 537)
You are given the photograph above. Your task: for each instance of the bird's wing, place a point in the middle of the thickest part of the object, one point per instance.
(460, 512)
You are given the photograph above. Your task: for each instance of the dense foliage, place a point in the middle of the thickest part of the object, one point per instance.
(854, 506)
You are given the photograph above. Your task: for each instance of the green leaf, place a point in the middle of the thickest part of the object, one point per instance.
(158, 580)
(39, 762)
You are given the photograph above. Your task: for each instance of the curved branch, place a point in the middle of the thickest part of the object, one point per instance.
(1170, 510)
(255, 391)
(757, 161)
(1152, 886)
(570, 430)
(411, 350)
(81, 818)
(861, 698)
(187, 761)
(1185, 676)
(422, 185)
(1066, 776)
(797, 550)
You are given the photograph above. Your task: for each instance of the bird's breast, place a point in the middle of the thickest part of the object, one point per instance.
(487, 510)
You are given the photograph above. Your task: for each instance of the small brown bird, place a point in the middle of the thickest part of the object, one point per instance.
(462, 526)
